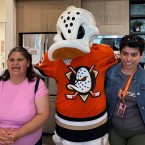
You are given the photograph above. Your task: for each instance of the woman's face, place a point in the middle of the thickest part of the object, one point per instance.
(130, 58)
(17, 64)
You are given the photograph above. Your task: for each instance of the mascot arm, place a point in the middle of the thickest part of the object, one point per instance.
(112, 59)
(45, 68)
(39, 73)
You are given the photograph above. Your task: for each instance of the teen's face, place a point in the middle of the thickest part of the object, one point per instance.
(17, 64)
(130, 58)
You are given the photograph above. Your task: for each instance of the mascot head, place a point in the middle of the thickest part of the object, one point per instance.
(76, 30)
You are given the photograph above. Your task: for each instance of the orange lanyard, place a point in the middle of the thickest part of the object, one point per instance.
(126, 87)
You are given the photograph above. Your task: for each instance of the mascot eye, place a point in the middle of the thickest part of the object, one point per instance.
(81, 32)
(84, 79)
(62, 36)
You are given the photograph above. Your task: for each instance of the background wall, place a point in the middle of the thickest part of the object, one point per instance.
(7, 25)
(2, 32)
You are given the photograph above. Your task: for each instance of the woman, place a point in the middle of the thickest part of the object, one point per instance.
(125, 90)
(22, 111)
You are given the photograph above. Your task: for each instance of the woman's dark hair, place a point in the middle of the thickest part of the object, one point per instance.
(132, 41)
(29, 73)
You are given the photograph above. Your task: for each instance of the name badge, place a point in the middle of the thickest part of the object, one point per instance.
(121, 110)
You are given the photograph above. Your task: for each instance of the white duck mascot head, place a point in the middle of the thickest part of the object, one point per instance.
(76, 30)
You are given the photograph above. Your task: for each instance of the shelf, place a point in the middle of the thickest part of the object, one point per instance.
(137, 33)
(137, 17)
(137, 1)
(137, 12)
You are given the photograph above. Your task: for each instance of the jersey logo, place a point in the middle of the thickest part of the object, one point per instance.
(82, 81)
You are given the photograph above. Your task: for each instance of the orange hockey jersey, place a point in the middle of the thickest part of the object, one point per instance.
(81, 83)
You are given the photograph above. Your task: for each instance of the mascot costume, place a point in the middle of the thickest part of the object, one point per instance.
(79, 68)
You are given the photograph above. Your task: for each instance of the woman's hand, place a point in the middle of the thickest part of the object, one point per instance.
(14, 135)
(5, 136)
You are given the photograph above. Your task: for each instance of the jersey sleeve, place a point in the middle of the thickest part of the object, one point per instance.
(111, 58)
(44, 67)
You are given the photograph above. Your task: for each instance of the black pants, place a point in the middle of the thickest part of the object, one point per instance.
(39, 141)
(125, 137)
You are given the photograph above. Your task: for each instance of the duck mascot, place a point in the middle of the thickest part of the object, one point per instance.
(79, 68)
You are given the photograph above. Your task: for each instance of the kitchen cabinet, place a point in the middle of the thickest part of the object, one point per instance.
(137, 13)
(112, 16)
(40, 15)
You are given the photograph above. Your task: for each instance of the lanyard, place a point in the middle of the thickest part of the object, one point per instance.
(123, 93)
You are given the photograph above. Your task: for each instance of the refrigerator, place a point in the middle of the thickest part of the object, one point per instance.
(37, 44)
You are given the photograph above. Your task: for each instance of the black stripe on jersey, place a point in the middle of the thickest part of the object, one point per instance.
(82, 135)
